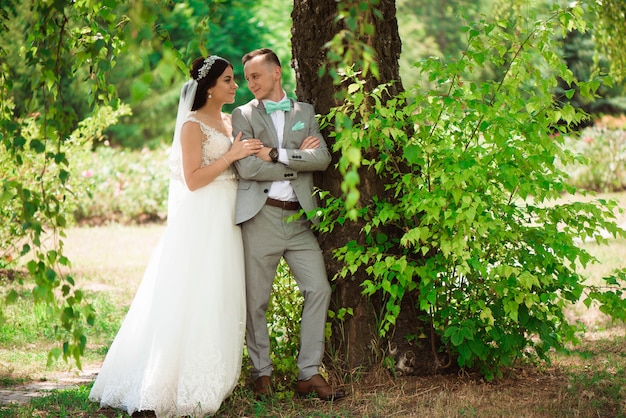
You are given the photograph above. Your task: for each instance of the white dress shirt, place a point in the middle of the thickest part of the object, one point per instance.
(281, 190)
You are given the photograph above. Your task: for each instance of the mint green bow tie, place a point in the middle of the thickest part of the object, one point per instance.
(271, 107)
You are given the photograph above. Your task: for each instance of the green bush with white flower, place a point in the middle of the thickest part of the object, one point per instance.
(604, 147)
(123, 186)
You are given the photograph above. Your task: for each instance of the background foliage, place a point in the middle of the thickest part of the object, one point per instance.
(88, 97)
(431, 28)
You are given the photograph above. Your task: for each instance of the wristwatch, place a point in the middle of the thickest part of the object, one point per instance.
(274, 155)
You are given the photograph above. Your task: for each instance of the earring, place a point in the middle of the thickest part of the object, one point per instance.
(209, 96)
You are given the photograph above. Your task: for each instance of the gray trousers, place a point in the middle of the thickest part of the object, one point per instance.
(266, 238)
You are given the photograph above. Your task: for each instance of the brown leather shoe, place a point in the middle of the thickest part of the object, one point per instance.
(262, 387)
(318, 385)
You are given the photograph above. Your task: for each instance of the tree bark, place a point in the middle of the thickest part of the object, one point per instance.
(355, 343)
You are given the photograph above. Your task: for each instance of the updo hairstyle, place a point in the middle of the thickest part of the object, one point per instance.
(207, 81)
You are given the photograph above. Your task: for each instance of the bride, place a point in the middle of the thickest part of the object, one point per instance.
(178, 351)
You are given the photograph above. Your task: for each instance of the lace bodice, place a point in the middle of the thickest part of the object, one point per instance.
(214, 146)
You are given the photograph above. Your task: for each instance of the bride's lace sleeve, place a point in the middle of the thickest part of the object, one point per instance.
(214, 145)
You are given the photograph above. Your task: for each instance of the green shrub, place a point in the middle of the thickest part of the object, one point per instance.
(467, 225)
(283, 317)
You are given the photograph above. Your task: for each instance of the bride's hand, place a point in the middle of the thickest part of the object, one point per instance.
(243, 148)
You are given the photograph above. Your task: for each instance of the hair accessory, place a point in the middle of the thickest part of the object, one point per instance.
(206, 67)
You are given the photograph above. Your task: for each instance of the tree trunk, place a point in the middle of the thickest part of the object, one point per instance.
(355, 343)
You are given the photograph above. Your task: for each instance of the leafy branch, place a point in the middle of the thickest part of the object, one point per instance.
(65, 41)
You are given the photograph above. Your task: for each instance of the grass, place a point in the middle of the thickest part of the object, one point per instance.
(109, 262)
(109, 265)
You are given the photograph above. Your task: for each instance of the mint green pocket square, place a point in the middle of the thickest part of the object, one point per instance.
(298, 126)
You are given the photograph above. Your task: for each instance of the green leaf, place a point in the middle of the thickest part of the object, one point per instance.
(37, 146)
(412, 153)
(11, 297)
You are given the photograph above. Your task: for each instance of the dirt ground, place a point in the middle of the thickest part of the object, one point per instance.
(526, 391)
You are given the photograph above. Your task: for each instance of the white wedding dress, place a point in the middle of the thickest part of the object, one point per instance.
(178, 352)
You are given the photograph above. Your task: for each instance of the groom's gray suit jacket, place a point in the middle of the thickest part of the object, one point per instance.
(256, 175)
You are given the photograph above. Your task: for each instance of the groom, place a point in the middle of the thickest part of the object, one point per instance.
(274, 185)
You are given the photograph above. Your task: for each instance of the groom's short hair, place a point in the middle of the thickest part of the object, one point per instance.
(268, 56)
